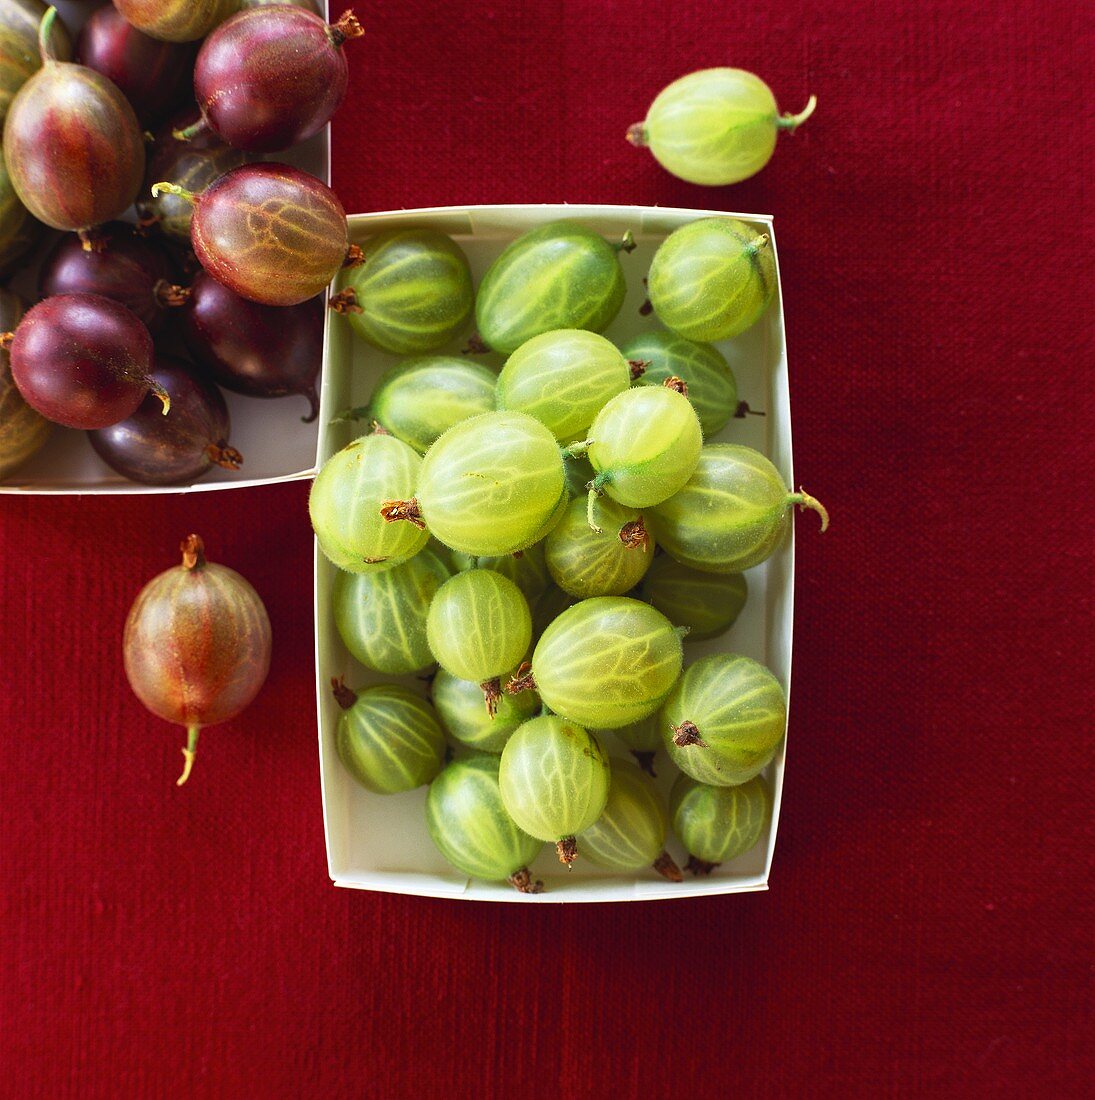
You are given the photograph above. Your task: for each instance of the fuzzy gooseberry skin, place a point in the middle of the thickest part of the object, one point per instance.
(390, 740)
(266, 80)
(257, 350)
(468, 822)
(733, 513)
(707, 603)
(197, 644)
(713, 127)
(22, 430)
(492, 484)
(176, 20)
(718, 824)
(19, 231)
(607, 662)
(73, 146)
(82, 360)
(558, 276)
(169, 450)
(124, 267)
(479, 626)
(270, 232)
(419, 399)
(563, 379)
(528, 569)
(346, 499)
(630, 833)
(712, 387)
(554, 778)
(712, 279)
(644, 446)
(381, 617)
(460, 707)
(19, 55)
(739, 711)
(155, 76)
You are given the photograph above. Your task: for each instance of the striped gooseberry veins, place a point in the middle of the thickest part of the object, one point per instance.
(715, 126)
(268, 79)
(712, 278)
(459, 704)
(468, 822)
(411, 293)
(723, 719)
(269, 232)
(19, 232)
(606, 662)
(554, 779)
(387, 737)
(561, 275)
(176, 20)
(630, 833)
(72, 143)
(707, 603)
(733, 512)
(196, 644)
(19, 54)
(717, 824)
(346, 500)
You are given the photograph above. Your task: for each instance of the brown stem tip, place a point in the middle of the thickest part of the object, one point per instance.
(521, 680)
(345, 301)
(679, 385)
(492, 693)
(523, 882)
(636, 134)
(646, 309)
(634, 535)
(220, 454)
(645, 760)
(699, 866)
(395, 510)
(666, 866)
(92, 240)
(476, 345)
(344, 696)
(193, 552)
(638, 368)
(354, 257)
(346, 28)
(567, 849)
(743, 410)
(6, 340)
(687, 734)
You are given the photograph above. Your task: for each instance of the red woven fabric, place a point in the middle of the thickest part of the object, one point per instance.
(927, 930)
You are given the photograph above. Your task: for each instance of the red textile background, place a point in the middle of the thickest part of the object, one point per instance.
(928, 927)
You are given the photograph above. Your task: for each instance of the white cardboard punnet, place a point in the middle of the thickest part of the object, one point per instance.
(377, 842)
(276, 444)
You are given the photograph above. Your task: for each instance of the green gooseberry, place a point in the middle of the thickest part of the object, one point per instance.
(712, 278)
(459, 704)
(733, 513)
(411, 293)
(707, 603)
(526, 568)
(387, 737)
(468, 822)
(643, 739)
(715, 126)
(559, 276)
(718, 824)
(554, 779)
(724, 719)
(630, 833)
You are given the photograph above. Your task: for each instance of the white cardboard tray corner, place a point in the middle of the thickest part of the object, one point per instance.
(276, 445)
(379, 842)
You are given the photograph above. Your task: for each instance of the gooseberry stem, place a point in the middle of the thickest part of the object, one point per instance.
(171, 296)
(634, 535)
(699, 866)
(45, 37)
(521, 680)
(636, 134)
(355, 257)
(638, 368)
(757, 243)
(677, 384)
(793, 122)
(577, 449)
(345, 301)
(6, 340)
(344, 696)
(220, 454)
(666, 866)
(166, 188)
(91, 240)
(492, 692)
(476, 345)
(347, 27)
(522, 881)
(189, 753)
(395, 510)
(626, 243)
(358, 412)
(596, 489)
(162, 394)
(192, 549)
(687, 734)
(645, 760)
(567, 849)
(804, 500)
(188, 133)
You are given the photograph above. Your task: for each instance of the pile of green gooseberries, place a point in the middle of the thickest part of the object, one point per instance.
(539, 544)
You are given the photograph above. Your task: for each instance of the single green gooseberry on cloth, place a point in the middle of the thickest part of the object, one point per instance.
(707, 603)
(564, 378)
(469, 824)
(715, 126)
(490, 485)
(479, 628)
(381, 617)
(347, 497)
(559, 276)
(419, 399)
(734, 512)
(606, 662)
(712, 278)
(554, 779)
(724, 719)
(718, 824)
(388, 738)
(410, 294)
(630, 833)
(459, 704)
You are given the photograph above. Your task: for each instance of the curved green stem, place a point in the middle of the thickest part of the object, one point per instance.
(359, 412)
(792, 122)
(188, 133)
(189, 753)
(166, 188)
(596, 488)
(46, 48)
(626, 243)
(577, 449)
(804, 500)
(761, 240)
(162, 394)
